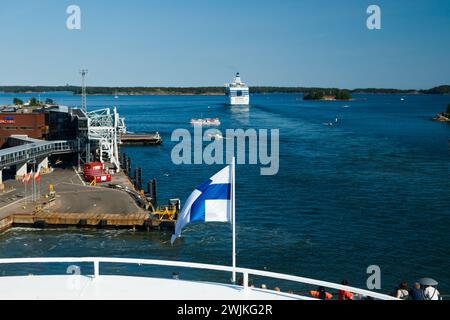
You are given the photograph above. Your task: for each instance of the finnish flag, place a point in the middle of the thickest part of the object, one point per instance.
(209, 202)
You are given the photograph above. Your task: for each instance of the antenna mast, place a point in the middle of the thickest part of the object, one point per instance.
(83, 90)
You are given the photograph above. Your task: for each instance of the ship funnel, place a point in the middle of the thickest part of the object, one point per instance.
(237, 78)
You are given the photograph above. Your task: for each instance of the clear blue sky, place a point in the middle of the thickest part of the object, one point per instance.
(203, 42)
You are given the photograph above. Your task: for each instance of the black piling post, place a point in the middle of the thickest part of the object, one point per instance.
(150, 192)
(129, 167)
(149, 188)
(135, 178)
(125, 166)
(123, 161)
(154, 193)
(139, 178)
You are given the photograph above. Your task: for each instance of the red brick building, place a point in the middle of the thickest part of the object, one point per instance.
(30, 124)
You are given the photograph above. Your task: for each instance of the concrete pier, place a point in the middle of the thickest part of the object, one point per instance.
(75, 204)
(141, 139)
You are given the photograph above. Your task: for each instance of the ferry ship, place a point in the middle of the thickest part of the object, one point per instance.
(238, 92)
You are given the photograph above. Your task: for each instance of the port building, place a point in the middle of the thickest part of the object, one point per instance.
(12, 122)
(30, 135)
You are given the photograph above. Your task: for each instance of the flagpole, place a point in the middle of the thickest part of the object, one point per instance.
(34, 187)
(233, 212)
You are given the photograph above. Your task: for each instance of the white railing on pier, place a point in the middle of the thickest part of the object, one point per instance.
(244, 271)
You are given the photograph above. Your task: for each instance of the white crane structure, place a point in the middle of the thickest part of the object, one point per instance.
(104, 131)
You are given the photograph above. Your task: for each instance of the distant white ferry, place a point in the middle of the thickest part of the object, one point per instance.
(238, 92)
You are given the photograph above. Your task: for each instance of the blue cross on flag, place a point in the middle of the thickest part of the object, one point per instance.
(209, 202)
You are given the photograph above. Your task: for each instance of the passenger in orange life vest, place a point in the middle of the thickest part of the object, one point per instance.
(345, 295)
(321, 294)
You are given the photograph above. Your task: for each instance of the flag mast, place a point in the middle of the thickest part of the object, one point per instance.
(233, 214)
(25, 184)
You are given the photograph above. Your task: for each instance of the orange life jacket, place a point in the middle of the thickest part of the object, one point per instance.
(316, 294)
(345, 295)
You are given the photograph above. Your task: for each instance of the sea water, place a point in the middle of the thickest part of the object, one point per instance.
(370, 189)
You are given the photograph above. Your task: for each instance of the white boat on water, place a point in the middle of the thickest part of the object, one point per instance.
(77, 285)
(206, 122)
(238, 92)
(215, 136)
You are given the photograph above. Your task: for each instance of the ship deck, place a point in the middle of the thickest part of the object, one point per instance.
(79, 287)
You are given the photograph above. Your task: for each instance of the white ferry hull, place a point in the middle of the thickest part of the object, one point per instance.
(238, 92)
(239, 101)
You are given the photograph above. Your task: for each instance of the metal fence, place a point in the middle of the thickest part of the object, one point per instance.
(26, 152)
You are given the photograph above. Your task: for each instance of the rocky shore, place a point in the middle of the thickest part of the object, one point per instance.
(442, 117)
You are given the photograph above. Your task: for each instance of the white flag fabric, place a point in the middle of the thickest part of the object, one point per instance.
(209, 202)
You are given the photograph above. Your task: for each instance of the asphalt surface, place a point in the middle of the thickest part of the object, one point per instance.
(72, 196)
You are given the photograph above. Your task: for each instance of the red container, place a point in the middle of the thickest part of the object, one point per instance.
(94, 166)
(99, 178)
(95, 171)
(103, 178)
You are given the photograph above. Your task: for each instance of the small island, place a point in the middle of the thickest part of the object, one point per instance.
(335, 95)
(443, 116)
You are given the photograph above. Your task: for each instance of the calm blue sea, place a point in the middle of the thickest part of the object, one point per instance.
(371, 190)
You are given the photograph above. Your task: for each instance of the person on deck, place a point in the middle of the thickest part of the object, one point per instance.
(321, 294)
(416, 292)
(343, 294)
(431, 293)
(402, 291)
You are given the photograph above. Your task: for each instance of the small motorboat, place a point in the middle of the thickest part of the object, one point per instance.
(215, 136)
(206, 122)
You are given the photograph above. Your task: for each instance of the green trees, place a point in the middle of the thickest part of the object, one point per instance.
(343, 95)
(336, 93)
(33, 102)
(17, 102)
(448, 108)
(445, 89)
(49, 101)
(438, 90)
(314, 95)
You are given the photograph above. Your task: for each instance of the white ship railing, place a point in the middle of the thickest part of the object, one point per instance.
(244, 271)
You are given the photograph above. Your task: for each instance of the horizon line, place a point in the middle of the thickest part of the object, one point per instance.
(222, 86)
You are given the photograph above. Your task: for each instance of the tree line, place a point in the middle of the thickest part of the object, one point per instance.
(207, 90)
(33, 102)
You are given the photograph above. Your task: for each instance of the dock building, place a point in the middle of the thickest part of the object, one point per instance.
(30, 135)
